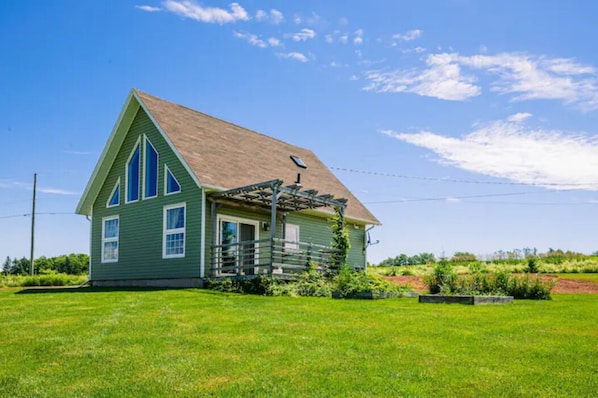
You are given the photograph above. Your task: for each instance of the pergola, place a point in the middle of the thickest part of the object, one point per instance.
(273, 196)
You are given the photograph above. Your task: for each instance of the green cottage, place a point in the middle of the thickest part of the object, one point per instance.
(179, 196)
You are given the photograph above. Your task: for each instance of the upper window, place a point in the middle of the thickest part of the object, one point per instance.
(150, 171)
(114, 199)
(110, 227)
(174, 231)
(133, 174)
(171, 183)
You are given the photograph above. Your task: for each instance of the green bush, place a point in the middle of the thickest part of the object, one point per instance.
(443, 278)
(49, 278)
(351, 284)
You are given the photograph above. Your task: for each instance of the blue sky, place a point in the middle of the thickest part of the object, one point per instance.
(463, 125)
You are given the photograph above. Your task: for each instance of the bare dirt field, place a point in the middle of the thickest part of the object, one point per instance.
(563, 285)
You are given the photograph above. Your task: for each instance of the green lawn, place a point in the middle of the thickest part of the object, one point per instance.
(189, 342)
(582, 277)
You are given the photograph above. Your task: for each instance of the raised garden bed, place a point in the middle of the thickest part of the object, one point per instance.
(464, 299)
(365, 295)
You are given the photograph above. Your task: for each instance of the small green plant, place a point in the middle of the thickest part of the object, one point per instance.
(532, 265)
(351, 284)
(340, 240)
(443, 278)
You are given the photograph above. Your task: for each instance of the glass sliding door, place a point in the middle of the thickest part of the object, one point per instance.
(237, 241)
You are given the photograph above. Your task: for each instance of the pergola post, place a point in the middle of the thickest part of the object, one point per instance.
(275, 187)
(213, 238)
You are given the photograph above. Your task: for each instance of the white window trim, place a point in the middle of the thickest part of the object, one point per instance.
(166, 171)
(106, 240)
(117, 185)
(137, 144)
(292, 245)
(237, 220)
(145, 142)
(166, 232)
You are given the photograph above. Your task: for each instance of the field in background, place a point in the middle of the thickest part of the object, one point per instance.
(91, 342)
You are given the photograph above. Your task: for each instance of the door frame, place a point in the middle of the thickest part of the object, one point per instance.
(239, 220)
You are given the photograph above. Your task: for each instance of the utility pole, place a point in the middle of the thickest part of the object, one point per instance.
(33, 222)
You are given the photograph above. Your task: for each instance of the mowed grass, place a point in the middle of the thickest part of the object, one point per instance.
(581, 277)
(134, 343)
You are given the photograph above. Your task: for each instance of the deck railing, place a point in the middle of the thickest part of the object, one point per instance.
(271, 257)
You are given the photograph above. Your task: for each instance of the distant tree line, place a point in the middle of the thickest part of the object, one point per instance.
(555, 256)
(74, 264)
(403, 259)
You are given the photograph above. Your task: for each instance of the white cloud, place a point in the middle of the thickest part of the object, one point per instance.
(82, 153)
(276, 16)
(536, 77)
(297, 19)
(304, 35)
(408, 36)
(519, 117)
(274, 42)
(148, 8)
(189, 9)
(252, 39)
(329, 39)
(416, 50)
(293, 55)
(443, 79)
(335, 64)
(344, 38)
(273, 16)
(527, 77)
(358, 37)
(511, 150)
(56, 191)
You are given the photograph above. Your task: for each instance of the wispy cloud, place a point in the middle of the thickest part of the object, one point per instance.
(297, 56)
(537, 77)
(56, 191)
(274, 42)
(519, 117)
(148, 8)
(252, 39)
(512, 150)
(189, 9)
(11, 184)
(273, 16)
(442, 79)
(303, 35)
(526, 77)
(358, 39)
(79, 153)
(408, 36)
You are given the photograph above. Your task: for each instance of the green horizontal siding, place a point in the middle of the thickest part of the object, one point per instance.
(141, 229)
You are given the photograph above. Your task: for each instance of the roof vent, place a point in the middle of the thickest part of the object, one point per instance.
(298, 162)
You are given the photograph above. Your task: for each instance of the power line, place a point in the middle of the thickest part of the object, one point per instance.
(452, 180)
(53, 213)
(489, 195)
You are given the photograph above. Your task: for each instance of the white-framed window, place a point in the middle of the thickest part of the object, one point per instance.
(114, 198)
(110, 233)
(150, 169)
(173, 240)
(291, 236)
(171, 184)
(132, 174)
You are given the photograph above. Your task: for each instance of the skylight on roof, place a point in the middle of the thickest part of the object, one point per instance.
(298, 162)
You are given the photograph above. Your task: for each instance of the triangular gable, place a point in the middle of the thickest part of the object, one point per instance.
(112, 148)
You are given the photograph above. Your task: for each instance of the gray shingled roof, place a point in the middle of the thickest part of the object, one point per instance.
(225, 156)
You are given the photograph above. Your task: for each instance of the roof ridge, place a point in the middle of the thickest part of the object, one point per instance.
(221, 120)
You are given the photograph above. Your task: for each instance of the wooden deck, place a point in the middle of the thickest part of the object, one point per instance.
(275, 257)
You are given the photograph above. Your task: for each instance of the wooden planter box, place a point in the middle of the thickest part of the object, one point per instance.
(465, 299)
